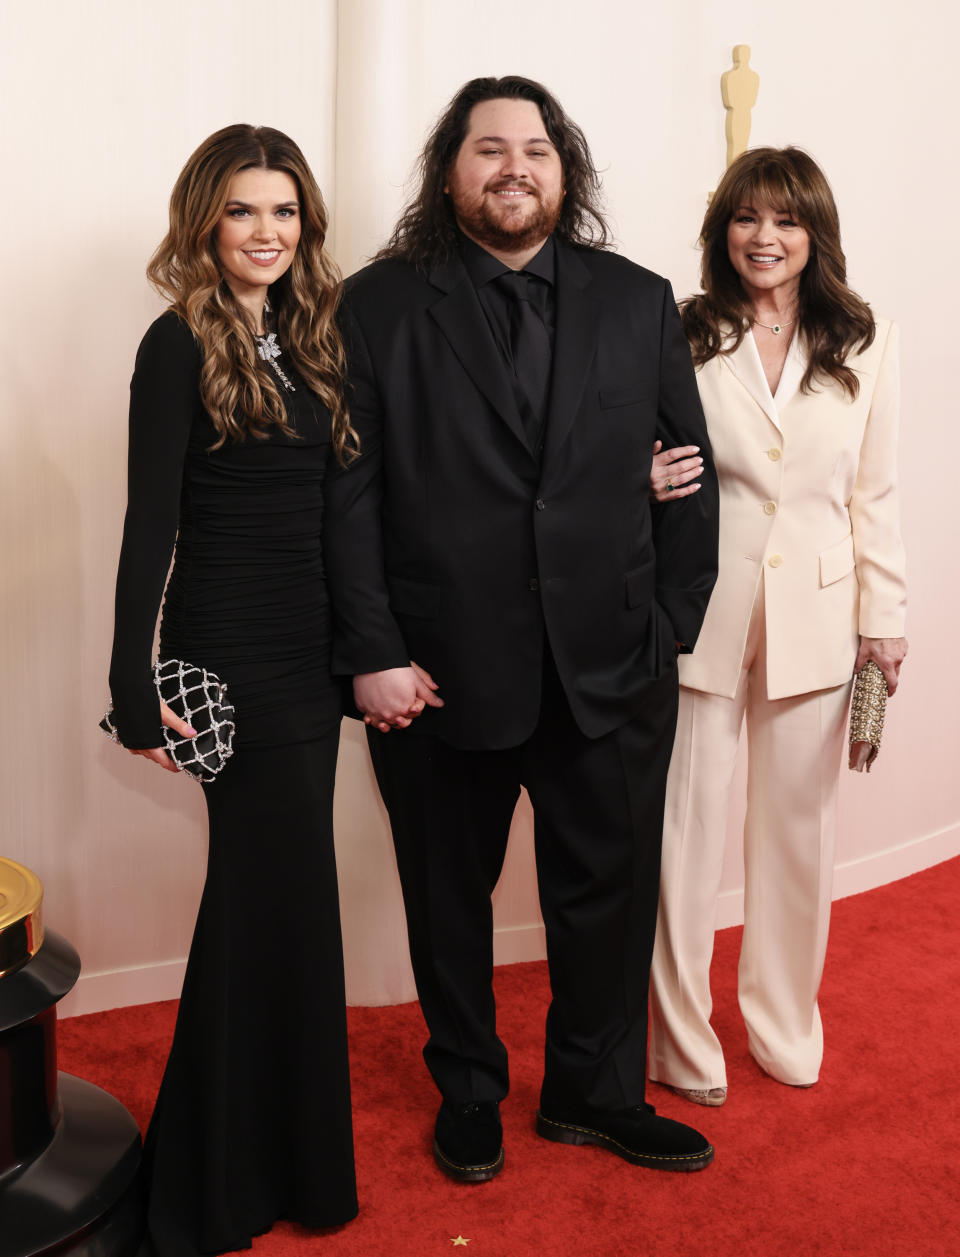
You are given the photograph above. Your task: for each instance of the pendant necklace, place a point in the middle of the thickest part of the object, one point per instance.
(776, 328)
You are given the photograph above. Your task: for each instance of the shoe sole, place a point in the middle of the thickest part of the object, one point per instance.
(567, 1133)
(708, 1101)
(467, 1173)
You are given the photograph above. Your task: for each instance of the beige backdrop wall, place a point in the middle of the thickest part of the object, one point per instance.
(102, 104)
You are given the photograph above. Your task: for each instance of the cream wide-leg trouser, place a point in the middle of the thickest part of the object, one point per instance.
(794, 748)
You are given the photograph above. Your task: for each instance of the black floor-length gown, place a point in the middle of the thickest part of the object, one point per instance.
(253, 1121)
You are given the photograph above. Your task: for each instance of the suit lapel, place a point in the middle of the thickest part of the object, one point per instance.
(575, 343)
(460, 317)
(745, 364)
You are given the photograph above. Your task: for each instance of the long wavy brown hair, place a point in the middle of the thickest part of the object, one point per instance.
(832, 319)
(426, 233)
(239, 394)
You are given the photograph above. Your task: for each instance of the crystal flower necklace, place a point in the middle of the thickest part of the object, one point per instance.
(270, 351)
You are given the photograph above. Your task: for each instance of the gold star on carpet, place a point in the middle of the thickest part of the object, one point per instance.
(459, 1242)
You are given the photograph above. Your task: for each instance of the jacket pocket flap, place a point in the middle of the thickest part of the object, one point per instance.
(640, 584)
(837, 561)
(631, 396)
(411, 597)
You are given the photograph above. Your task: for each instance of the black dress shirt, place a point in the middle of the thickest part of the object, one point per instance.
(484, 270)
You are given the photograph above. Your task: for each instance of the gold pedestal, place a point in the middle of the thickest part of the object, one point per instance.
(21, 916)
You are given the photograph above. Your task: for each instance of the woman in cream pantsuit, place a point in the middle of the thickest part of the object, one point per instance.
(801, 405)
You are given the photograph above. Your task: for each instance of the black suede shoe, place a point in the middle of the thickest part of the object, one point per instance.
(637, 1134)
(468, 1142)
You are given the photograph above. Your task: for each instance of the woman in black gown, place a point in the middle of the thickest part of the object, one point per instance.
(236, 420)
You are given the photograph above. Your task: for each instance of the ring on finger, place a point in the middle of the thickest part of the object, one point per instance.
(670, 486)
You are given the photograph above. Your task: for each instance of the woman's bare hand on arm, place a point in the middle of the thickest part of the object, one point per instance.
(674, 472)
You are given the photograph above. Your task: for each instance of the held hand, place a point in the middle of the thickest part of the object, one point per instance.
(389, 699)
(888, 653)
(158, 754)
(675, 468)
(426, 687)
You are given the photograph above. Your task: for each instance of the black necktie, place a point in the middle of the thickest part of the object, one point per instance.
(531, 352)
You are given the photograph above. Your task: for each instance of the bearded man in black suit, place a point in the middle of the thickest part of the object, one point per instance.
(508, 376)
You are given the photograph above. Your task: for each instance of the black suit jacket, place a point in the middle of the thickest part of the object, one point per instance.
(451, 542)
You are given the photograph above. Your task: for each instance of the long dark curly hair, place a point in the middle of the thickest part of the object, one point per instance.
(426, 233)
(832, 319)
(241, 398)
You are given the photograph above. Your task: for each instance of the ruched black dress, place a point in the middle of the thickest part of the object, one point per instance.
(252, 1122)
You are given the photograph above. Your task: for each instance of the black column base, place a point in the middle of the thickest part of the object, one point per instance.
(82, 1196)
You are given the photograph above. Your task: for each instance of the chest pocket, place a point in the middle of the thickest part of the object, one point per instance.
(632, 395)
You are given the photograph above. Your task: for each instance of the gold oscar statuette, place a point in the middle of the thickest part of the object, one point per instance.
(739, 88)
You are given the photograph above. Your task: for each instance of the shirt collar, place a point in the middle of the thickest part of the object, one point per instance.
(482, 266)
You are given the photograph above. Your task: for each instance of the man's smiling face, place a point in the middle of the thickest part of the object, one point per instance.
(506, 184)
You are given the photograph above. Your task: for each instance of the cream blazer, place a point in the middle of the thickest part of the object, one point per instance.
(808, 503)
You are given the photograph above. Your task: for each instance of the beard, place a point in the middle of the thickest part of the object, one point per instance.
(483, 224)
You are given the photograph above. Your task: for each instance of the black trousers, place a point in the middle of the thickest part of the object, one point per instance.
(598, 810)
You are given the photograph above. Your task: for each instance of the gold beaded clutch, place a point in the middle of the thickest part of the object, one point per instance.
(867, 709)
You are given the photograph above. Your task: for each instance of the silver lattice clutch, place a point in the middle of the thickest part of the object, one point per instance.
(200, 698)
(867, 710)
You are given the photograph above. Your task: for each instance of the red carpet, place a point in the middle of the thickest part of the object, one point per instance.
(863, 1163)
